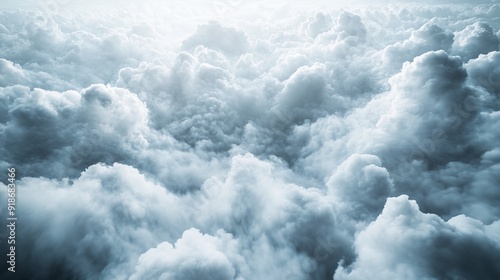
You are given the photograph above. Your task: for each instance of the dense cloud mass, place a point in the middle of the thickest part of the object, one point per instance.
(237, 140)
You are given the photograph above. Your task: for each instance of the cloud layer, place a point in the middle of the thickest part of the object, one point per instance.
(253, 143)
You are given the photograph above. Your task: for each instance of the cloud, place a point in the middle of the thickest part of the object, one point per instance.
(429, 91)
(212, 35)
(303, 93)
(404, 243)
(97, 124)
(264, 212)
(484, 72)
(321, 22)
(101, 222)
(235, 140)
(12, 73)
(475, 39)
(429, 37)
(194, 256)
(365, 195)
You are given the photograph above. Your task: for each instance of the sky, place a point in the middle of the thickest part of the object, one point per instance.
(234, 140)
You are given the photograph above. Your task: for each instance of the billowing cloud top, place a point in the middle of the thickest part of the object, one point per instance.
(235, 140)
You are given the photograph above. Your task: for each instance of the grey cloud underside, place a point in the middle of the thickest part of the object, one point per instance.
(332, 144)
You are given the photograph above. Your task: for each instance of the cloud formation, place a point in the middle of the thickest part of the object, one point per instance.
(404, 243)
(253, 141)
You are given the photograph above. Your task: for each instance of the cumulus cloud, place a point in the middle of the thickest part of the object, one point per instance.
(484, 72)
(475, 39)
(235, 140)
(404, 243)
(429, 37)
(228, 40)
(194, 256)
(70, 129)
(368, 192)
(101, 222)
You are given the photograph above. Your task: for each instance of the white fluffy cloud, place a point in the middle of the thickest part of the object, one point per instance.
(404, 243)
(475, 39)
(194, 256)
(234, 140)
(100, 223)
